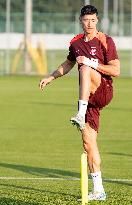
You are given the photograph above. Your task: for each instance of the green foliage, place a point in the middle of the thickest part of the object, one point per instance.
(59, 5)
(55, 16)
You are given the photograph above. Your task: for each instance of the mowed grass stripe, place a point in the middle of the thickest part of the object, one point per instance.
(38, 141)
(60, 179)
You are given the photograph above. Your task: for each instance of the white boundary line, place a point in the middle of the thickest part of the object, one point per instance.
(117, 180)
(60, 179)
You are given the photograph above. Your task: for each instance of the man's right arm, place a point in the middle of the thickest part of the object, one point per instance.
(63, 69)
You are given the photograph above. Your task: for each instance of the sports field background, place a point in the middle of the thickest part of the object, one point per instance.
(56, 57)
(37, 141)
(39, 149)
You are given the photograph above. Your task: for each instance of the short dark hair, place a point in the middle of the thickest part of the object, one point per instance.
(88, 9)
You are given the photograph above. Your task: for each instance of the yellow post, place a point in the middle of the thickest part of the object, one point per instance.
(84, 178)
(17, 58)
(43, 57)
(37, 58)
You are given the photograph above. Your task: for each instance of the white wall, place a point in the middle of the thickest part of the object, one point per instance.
(54, 41)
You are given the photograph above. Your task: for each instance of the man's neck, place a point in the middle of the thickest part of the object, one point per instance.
(90, 36)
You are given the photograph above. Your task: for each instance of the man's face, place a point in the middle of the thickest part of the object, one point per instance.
(89, 22)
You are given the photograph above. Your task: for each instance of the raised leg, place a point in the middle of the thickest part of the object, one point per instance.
(89, 81)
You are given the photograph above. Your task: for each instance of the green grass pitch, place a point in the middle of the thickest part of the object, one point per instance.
(38, 141)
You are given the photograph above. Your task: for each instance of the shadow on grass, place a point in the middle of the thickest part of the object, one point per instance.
(10, 201)
(118, 182)
(119, 154)
(43, 172)
(42, 191)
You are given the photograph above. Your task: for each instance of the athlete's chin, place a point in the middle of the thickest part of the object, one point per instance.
(89, 30)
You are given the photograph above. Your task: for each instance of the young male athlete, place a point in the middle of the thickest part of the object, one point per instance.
(97, 60)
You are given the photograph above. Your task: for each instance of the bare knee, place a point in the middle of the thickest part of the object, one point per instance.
(93, 75)
(84, 70)
(84, 67)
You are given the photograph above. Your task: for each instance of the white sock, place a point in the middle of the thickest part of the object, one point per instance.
(82, 105)
(97, 182)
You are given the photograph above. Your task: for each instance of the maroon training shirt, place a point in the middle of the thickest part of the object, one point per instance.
(101, 47)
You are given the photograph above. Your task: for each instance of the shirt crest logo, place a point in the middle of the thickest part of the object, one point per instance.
(77, 51)
(93, 51)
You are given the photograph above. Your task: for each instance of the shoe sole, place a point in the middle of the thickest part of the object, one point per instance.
(79, 200)
(103, 199)
(75, 123)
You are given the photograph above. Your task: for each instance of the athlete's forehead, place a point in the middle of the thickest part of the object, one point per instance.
(89, 17)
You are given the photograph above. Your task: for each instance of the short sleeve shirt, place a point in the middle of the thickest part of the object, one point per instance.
(101, 47)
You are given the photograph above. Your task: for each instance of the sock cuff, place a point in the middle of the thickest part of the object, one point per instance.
(96, 174)
(83, 102)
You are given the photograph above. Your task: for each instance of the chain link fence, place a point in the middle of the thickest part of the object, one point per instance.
(63, 23)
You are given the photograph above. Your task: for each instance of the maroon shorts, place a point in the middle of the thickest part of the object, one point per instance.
(97, 101)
